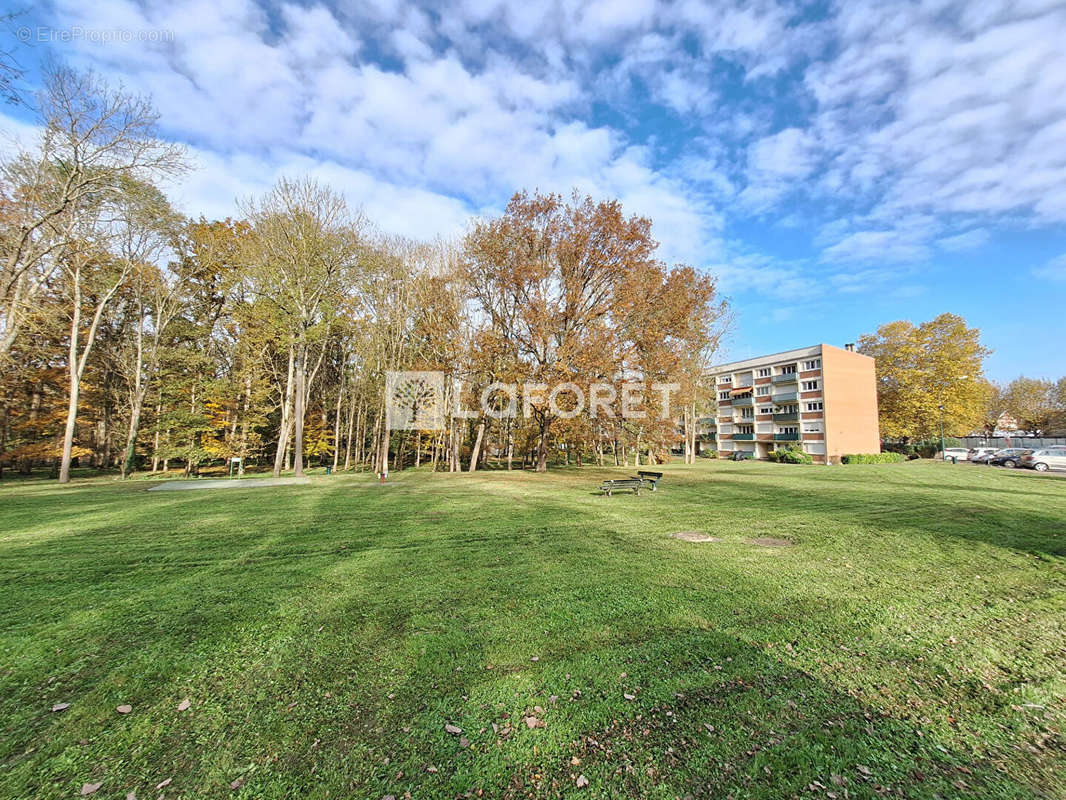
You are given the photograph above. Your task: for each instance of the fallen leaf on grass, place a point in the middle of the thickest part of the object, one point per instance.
(237, 784)
(574, 761)
(131, 796)
(464, 742)
(89, 788)
(431, 768)
(453, 729)
(864, 770)
(61, 706)
(124, 709)
(581, 782)
(184, 704)
(162, 784)
(629, 696)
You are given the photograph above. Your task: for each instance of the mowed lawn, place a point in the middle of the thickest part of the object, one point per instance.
(911, 641)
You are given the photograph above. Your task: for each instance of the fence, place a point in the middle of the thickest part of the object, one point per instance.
(1034, 442)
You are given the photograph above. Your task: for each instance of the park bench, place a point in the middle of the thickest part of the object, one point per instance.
(633, 484)
(650, 477)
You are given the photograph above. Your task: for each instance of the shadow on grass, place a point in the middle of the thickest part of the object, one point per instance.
(326, 648)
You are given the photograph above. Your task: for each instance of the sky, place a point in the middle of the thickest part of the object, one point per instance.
(835, 165)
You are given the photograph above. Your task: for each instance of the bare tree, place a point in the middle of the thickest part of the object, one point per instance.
(94, 138)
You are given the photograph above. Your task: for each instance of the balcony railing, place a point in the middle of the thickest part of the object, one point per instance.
(740, 402)
(788, 416)
(744, 437)
(787, 377)
(786, 437)
(785, 397)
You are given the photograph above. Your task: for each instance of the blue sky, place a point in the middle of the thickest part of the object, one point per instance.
(837, 166)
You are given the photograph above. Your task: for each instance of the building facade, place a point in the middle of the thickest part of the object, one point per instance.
(823, 398)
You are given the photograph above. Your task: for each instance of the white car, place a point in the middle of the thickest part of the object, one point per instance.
(1043, 460)
(980, 455)
(958, 453)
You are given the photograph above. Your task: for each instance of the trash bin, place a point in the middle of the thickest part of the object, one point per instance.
(954, 459)
(329, 469)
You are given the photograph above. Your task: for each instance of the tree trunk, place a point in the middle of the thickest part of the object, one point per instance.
(301, 378)
(477, 446)
(337, 428)
(283, 428)
(542, 445)
(510, 444)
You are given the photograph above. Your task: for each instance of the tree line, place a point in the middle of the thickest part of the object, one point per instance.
(133, 337)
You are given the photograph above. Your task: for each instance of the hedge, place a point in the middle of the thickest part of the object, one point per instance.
(873, 458)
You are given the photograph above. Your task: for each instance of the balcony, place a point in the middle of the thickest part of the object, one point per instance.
(785, 397)
(789, 377)
(786, 437)
(744, 437)
(791, 416)
(741, 402)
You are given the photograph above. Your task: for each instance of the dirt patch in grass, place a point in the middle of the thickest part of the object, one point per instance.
(770, 541)
(694, 536)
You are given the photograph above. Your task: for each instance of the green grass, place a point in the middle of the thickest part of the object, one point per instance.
(909, 643)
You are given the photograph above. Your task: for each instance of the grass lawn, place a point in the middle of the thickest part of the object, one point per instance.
(910, 642)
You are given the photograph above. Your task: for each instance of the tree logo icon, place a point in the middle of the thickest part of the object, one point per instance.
(415, 400)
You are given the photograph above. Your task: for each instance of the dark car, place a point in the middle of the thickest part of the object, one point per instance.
(1009, 457)
(742, 455)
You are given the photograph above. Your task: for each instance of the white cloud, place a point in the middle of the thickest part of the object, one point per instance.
(969, 240)
(1053, 270)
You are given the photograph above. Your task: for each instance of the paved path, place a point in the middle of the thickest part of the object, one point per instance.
(241, 483)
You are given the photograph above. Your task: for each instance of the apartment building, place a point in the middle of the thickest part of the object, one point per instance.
(822, 397)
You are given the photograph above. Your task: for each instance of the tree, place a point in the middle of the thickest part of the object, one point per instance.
(95, 139)
(1031, 402)
(546, 276)
(927, 372)
(302, 249)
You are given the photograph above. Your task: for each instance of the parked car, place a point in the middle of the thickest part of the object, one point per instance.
(1043, 460)
(980, 455)
(1008, 457)
(742, 455)
(958, 453)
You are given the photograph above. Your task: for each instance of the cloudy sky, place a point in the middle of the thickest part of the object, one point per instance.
(837, 165)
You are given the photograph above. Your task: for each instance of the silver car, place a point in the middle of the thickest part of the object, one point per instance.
(1043, 460)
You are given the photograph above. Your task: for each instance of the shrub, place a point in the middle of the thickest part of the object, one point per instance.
(774, 456)
(793, 454)
(873, 458)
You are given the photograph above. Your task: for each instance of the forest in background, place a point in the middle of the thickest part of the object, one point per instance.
(135, 338)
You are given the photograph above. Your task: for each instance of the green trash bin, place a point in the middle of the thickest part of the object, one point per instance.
(329, 469)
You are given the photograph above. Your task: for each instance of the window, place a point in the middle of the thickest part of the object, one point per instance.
(726, 379)
(814, 406)
(812, 427)
(766, 410)
(812, 364)
(788, 369)
(747, 413)
(745, 429)
(810, 386)
(764, 372)
(723, 395)
(762, 391)
(789, 409)
(789, 429)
